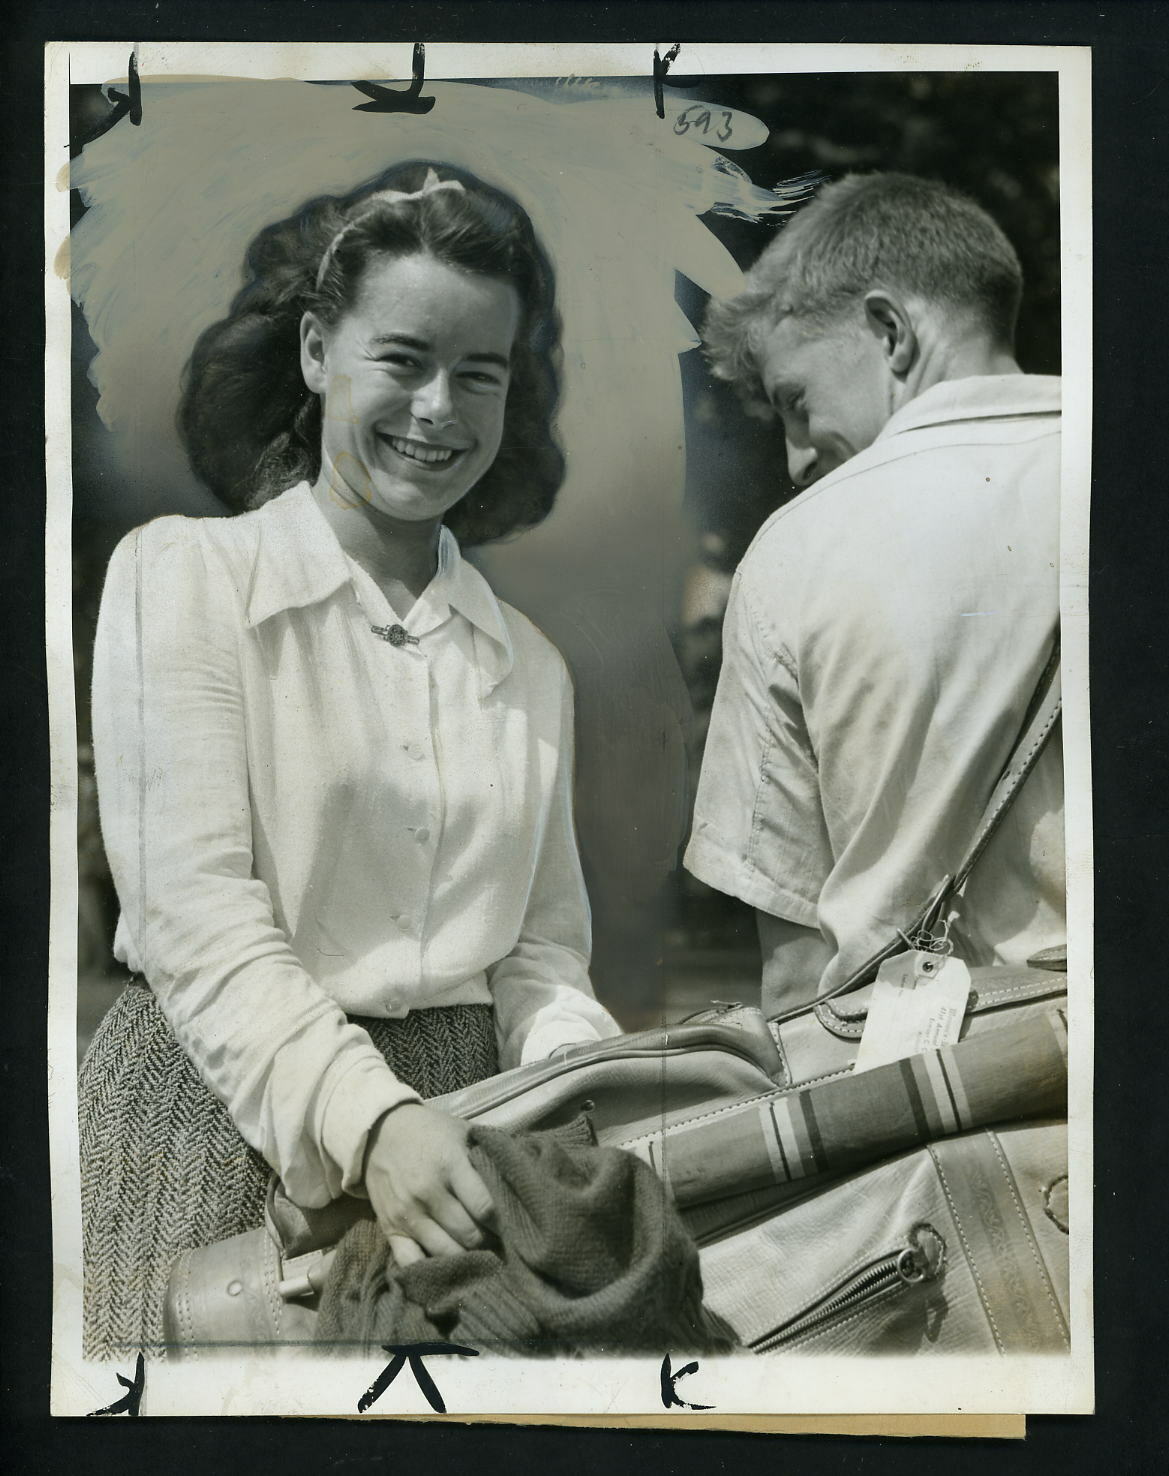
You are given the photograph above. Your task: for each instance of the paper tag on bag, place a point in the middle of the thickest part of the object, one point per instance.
(918, 1004)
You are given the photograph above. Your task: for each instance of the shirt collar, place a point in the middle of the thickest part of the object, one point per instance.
(459, 586)
(298, 559)
(983, 397)
(299, 562)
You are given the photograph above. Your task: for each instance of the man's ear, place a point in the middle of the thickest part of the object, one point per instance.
(891, 324)
(312, 353)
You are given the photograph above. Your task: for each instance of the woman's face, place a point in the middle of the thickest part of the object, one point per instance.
(413, 379)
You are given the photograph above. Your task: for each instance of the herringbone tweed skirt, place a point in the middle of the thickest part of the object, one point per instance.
(163, 1168)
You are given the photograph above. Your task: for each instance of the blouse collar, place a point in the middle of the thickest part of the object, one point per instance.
(299, 562)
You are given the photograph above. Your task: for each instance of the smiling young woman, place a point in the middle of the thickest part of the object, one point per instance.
(334, 770)
(413, 381)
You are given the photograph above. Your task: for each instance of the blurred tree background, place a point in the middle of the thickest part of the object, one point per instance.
(993, 135)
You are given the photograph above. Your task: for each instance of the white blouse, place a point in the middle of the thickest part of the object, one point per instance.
(305, 821)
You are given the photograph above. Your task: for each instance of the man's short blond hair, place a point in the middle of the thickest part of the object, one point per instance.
(866, 231)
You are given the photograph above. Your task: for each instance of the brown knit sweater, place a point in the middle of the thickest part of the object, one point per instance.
(591, 1257)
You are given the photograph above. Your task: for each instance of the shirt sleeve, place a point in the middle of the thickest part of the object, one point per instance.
(758, 831)
(541, 990)
(302, 1084)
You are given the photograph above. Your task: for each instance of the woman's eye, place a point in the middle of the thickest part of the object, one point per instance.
(480, 379)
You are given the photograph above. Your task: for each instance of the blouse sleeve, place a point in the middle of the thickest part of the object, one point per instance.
(302, 1084)
(541, 990)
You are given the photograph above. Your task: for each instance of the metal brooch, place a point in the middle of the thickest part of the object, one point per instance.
(397, 635)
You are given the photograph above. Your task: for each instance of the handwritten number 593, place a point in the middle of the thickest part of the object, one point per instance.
(701, 120)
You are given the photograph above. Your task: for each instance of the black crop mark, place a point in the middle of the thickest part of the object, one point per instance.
(386, 101)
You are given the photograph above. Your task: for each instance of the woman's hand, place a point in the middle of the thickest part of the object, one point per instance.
(426, 1193)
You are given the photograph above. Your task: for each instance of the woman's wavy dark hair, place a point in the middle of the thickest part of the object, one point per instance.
(250, 425)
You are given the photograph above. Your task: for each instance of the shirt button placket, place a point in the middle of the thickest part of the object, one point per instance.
(418, 749)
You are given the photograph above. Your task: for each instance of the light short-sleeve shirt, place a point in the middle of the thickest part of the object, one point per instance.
(885, 636)
(305, 821)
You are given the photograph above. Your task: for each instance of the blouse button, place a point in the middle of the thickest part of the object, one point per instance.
(422, 835)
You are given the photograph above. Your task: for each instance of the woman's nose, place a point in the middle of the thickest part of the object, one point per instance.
(433, 403)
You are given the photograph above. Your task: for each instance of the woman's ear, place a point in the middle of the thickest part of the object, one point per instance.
(892, 326)
(312, 353)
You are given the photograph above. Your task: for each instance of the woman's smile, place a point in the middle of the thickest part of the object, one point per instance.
(421, 453)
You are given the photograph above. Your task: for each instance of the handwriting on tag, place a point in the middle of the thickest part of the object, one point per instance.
(918, 1003)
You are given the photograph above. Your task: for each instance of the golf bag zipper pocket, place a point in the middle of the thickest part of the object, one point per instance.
(920, 1259)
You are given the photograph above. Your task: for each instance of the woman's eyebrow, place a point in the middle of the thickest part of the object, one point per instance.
(403, 338)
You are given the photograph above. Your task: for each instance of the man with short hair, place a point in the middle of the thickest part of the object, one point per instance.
(889, 626)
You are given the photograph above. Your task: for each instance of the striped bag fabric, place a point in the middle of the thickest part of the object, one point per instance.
(785, 1139)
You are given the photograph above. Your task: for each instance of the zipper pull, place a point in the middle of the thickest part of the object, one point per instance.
(924, 1258)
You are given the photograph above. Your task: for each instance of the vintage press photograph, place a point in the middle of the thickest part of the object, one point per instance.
(565, 576)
